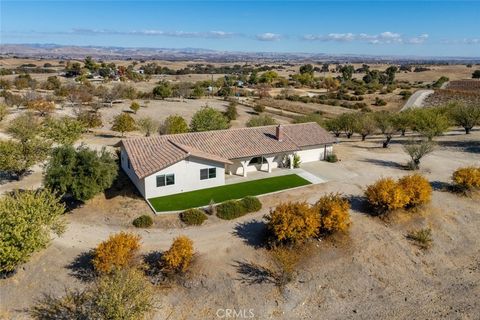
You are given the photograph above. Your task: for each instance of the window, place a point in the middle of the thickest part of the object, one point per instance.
(208, 173)
(128, 163)
(165, 180)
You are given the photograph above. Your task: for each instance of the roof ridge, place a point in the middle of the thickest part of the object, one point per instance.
(179, 146)
(168, 136)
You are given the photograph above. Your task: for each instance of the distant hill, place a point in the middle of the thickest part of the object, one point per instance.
(54, 51)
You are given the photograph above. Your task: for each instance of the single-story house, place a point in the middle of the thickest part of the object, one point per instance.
(170, 164)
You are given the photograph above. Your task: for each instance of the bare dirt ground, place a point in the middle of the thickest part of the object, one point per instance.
(373, 272)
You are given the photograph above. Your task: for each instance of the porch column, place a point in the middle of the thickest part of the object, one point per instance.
(290, 158)
(269, 162)
(244, 166)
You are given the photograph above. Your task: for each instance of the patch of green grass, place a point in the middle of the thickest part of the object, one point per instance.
(199, 198)
(421, 237)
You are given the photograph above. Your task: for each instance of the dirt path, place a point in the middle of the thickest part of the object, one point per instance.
(371, 273)
(416, 99)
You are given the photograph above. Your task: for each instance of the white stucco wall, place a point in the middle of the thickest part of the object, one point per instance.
(237, 168)
(139, 183)
(314, 154)
(187, 177)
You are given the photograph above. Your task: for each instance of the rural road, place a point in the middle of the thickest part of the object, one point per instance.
(416, 99)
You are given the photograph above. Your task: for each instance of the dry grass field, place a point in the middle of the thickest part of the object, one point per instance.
(371, 272)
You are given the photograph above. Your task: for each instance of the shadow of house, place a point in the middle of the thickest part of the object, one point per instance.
(251, 273)
(82, 267)
(122, 186)
(253, 233)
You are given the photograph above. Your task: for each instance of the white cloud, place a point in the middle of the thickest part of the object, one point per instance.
(179, 34)
(268, 36)
(473, 41)
(418, 40)
(386, 37)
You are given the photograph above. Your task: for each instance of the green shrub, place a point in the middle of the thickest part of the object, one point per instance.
(143, 221)
(422, 237)
(251, 204)
(193, 217)
(231, 209)
(332, 157)
(380, 102)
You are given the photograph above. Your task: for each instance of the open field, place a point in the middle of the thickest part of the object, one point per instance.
(371, 272)
(203, 197)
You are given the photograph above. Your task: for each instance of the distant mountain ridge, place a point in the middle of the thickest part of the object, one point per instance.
(55, 51)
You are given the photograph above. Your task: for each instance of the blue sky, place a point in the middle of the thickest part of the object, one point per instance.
(421, 28)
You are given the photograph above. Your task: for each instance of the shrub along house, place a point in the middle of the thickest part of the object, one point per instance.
(170, 164)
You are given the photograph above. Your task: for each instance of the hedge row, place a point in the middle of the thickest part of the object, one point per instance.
(232, 209)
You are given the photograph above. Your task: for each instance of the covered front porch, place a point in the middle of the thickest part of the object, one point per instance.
(266, 163)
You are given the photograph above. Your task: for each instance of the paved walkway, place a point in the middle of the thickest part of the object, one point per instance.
(255, 175)
(310, 177)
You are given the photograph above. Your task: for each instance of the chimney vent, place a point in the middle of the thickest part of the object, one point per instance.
(279, 133)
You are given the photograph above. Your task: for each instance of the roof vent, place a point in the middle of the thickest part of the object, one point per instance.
(279, 133)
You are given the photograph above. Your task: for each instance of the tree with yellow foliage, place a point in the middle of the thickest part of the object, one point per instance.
(385, 195)
(179, 256)
(42, 106)
(467, 178)
(333, 211)
(119, 251)
(293, 222)
(417, 189)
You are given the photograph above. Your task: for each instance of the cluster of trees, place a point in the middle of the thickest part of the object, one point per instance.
(408, 192)
(294, 222)
(109, 71)
(205, 119)
(244, 70)
(32, 140)
(429, 122)
(122, 286)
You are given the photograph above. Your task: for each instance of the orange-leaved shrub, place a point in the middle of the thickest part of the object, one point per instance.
(293, 222)
(467, 178)
(118, 251)
(385, 195)
(417, 189)
(179, 256)
(333, 210)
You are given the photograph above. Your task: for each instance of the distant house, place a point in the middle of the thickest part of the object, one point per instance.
(169, 164)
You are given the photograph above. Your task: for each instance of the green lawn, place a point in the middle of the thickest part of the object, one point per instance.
(199, 198)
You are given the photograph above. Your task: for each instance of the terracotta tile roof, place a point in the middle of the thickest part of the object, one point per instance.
(151, 154)
(200, 154)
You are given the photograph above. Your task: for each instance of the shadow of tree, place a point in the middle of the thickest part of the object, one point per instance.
(386, 163)
(253, 233)
(466, 146)
(71, 203)
(122, 186)
(82, 267)
(360, 204)
(6, 177)
(153, 267)
(441, 186)
(252, 273)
